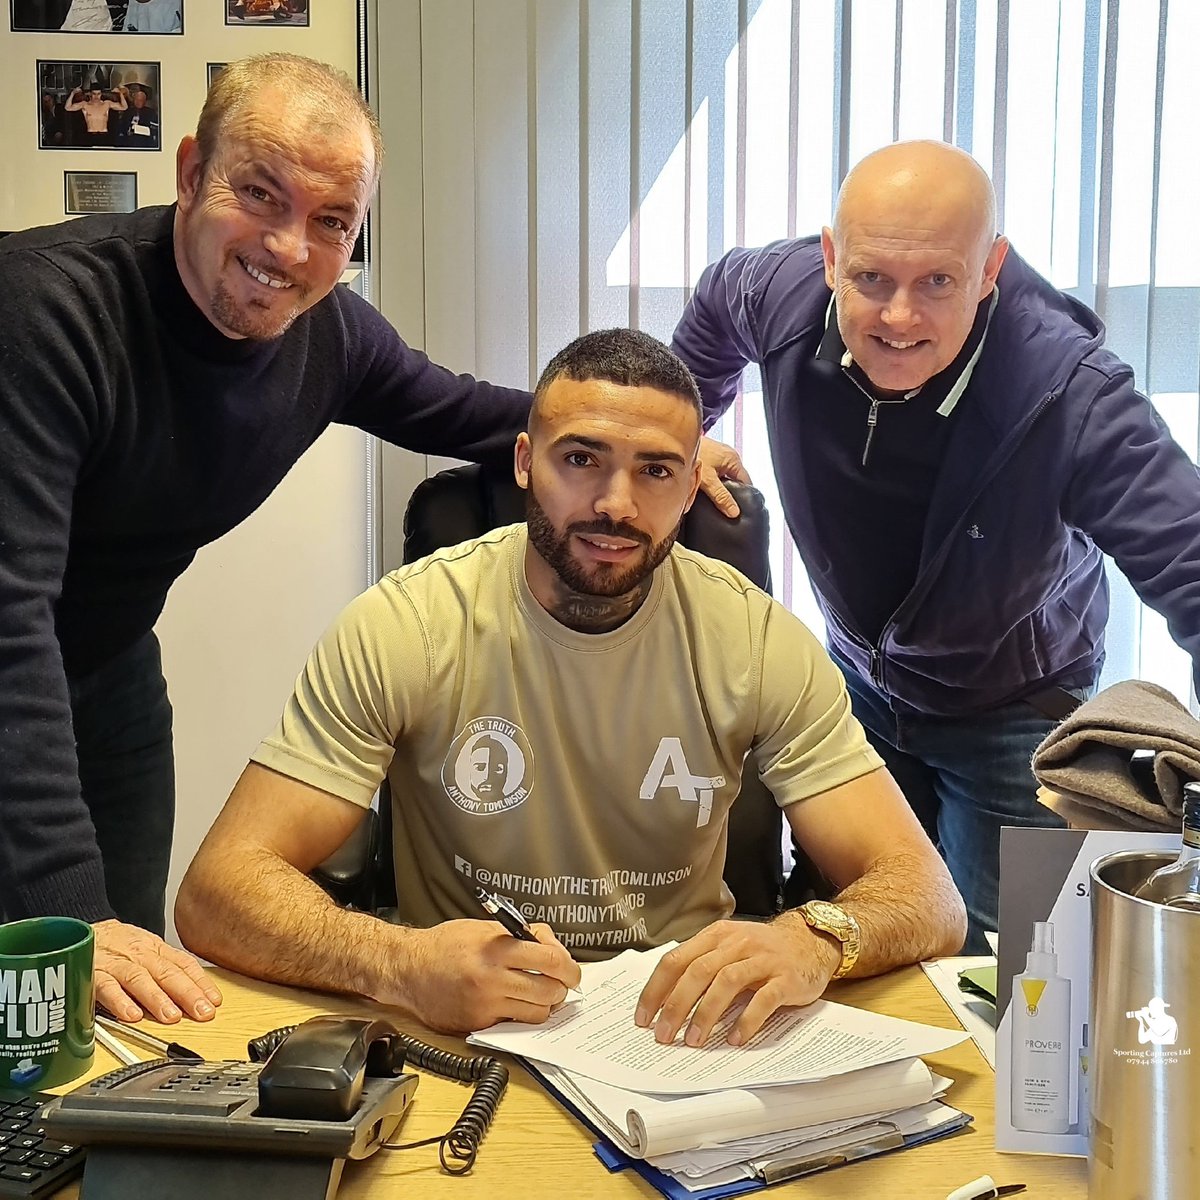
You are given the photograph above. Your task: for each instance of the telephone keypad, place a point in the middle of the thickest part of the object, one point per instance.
(211, 1089)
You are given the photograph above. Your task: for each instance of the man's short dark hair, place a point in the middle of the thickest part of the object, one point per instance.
(625, 356)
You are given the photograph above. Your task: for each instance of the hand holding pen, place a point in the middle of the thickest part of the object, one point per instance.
(504, 911)
(467, 974)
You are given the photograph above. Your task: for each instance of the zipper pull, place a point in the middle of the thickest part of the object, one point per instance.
(872, 421)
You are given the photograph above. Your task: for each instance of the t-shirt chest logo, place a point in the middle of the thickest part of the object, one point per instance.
(669, 769)
(489, 767)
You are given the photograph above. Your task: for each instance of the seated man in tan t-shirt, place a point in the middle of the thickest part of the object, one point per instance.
(563, 709)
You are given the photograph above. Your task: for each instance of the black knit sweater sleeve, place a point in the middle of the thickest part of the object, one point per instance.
(399, 395)
(50, 418)
(131, 433)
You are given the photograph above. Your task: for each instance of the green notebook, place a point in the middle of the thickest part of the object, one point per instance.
(979, 981)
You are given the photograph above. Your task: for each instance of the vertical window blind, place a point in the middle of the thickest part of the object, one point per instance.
(597, 154)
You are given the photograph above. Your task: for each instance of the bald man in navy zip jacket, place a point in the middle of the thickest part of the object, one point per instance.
(955, 450)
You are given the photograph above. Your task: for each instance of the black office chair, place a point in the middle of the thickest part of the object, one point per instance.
(465, 502)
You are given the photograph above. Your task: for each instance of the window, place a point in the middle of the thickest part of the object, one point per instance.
(621, 145)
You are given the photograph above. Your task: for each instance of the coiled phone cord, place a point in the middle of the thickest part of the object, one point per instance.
(458, 1148)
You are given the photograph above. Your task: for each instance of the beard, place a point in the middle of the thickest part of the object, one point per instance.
(250, 320)
(603, 579)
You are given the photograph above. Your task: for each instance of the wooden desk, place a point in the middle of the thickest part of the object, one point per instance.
(535, 1148)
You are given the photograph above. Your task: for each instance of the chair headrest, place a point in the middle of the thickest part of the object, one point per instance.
(465, 502)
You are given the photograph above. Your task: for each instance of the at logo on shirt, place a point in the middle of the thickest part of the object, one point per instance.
(489, 766)
(669, 768)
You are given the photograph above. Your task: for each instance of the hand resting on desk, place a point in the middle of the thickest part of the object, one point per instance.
(864, 838)
(782, 964)
(138, 974)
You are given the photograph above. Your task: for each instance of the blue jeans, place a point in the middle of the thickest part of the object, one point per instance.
(122, 720)
(964, 777)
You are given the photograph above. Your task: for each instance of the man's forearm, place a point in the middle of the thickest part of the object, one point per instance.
(256, 914)
(907, 909)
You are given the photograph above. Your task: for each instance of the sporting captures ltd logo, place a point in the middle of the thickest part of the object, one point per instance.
(1155, 1025)
(1157, 1029)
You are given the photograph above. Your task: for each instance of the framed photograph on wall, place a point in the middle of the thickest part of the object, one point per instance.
(214, 69)
(99, 192)
(266, 12)
(96, 16)
(98, 106)
(153, 16)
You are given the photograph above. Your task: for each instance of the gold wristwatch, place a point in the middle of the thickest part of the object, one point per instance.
(834, 920)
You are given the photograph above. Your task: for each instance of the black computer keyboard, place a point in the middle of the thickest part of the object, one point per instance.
(32, 1164)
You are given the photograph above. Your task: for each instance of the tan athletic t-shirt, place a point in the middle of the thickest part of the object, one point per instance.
(587, 777)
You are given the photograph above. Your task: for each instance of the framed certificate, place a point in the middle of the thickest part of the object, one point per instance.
(99, 192)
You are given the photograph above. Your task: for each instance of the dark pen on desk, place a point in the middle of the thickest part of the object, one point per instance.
(130, 1033)
(985, 1188)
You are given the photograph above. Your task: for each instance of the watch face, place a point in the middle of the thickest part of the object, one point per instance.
(826, 914)
(831, 919)
(835, 921)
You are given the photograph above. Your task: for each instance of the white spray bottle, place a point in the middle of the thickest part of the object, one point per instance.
(1041, 1040)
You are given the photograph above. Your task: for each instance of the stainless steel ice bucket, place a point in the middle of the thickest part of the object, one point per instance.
(1145, 1038)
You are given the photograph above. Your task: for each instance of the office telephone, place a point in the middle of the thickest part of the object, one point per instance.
(330, 1089)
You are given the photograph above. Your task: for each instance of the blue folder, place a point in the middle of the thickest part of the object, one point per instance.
(618, 1160)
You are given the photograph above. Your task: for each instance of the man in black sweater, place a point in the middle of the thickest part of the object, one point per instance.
(160, 372)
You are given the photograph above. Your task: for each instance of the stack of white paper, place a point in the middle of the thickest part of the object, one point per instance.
(813, 1081)
(975, 1015)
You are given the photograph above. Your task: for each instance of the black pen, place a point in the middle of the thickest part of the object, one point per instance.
(506, 913)
(985, 1188)
(170, 1050)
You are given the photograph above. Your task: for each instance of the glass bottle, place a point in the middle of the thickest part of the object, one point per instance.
(1177, 885)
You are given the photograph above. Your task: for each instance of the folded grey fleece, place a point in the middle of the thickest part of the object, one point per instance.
(1086, 758)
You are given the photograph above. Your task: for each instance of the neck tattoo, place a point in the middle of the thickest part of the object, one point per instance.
(596, 614)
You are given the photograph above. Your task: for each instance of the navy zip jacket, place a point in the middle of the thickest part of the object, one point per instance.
(1053, 457)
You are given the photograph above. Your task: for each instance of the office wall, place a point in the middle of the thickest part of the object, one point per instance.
(399, 249)
(452, 253)
(239, 623)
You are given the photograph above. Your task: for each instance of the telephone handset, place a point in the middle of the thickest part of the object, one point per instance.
(457, 1149)
(318, 1070)
(333, 1087)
